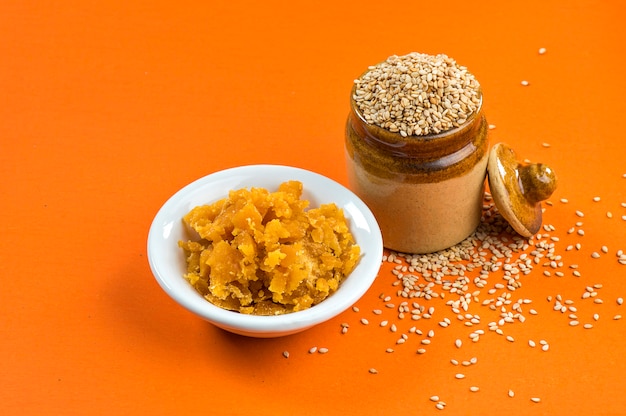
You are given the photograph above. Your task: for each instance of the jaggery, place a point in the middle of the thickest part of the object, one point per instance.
(264, 253)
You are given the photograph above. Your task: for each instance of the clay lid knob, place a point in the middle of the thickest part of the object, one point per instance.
(518, 189)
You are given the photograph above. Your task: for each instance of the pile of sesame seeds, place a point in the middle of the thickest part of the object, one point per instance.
(493, 251)
(417, 94)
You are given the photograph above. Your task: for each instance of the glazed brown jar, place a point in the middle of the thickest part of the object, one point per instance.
(425, 191)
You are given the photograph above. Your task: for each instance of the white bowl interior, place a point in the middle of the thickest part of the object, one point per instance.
(168, 264)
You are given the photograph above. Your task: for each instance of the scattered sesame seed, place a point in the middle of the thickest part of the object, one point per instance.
(459, 376)
(322, 350)
(525, 83)
(373, 371)
(286, 354)
(580, 214)
(421, 351)
(596, 199)
(511, 393)
(531, 343)
(312, 350)
(364, 321)
(542, 51)
(535, 399)
(620, 301)
(545, 144)
(474, 389)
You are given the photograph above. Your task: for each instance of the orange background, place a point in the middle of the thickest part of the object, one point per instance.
(110, 107)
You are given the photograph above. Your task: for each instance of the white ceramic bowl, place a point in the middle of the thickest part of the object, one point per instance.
(168, 264)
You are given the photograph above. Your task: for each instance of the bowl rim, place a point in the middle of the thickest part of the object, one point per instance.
(350, 291)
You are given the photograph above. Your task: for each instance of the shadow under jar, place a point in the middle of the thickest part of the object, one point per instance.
(426, 191)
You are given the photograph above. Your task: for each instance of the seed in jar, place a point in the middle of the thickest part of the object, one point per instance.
(428, 108)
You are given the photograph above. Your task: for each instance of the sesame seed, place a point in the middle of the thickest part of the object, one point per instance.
(596, 199)
(620, 301)
(406, 94)
(421, 351)
(322, 350)
(542, 51)
(286, 354)
(312, 350)
(511, 393)
(525, 83)
(531, 343)
(459, 376)
(364, 321)
(535, 399)
(580, 214)
(373, 371)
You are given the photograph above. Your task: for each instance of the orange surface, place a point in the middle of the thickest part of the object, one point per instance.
(109, 107)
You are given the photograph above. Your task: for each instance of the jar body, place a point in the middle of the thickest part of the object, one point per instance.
(426, 192)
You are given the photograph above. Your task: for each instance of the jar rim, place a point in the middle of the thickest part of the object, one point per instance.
(399, 139)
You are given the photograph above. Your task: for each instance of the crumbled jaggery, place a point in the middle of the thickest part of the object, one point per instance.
(263, 253)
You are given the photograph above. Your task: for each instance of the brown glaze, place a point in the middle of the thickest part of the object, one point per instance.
(416, 159)
(518, 189)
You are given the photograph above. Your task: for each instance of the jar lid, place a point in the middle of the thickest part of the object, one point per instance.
(518, 188)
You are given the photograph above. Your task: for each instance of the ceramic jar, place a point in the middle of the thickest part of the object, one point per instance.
(425, 191)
